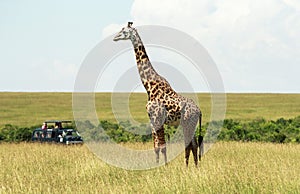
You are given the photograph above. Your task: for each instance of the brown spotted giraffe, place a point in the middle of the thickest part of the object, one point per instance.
(164, 105)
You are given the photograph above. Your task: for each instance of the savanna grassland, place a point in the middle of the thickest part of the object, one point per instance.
(228, 167)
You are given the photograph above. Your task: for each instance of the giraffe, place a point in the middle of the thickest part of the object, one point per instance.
(164, 106)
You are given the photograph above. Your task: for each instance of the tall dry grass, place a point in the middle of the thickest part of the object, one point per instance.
(229, 167)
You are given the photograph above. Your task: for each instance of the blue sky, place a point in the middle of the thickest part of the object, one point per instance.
(44, 40)
(254, 44)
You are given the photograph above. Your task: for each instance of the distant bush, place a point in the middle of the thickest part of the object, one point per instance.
(279, 131)
(11, 133)
(122, 132)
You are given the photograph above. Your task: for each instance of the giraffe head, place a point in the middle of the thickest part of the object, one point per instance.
(127, 33)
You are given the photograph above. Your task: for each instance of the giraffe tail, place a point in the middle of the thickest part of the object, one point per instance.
(200, 138)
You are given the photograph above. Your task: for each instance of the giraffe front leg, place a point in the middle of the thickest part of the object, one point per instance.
(156, 145)
(162, 142)
(156, 150)
(159, 144)
(164, 152)
(157, 115)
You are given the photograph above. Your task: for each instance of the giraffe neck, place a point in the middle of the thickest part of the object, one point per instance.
(145, 68)
(155, 85)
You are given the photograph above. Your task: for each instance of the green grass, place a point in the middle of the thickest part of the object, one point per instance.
(231, 167)
(268, 106)
(27, 109)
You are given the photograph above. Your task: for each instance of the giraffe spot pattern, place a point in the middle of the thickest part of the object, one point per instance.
(164, 105)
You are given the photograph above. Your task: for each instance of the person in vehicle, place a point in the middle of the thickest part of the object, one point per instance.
(44, 126)
(57, 125)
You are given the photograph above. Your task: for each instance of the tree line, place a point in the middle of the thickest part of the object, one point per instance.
(277, 131)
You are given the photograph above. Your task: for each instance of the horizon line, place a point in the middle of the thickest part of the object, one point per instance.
(198, 92)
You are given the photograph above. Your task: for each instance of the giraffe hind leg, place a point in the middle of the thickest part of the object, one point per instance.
(195, 150)
(187, 154)
(189, 123)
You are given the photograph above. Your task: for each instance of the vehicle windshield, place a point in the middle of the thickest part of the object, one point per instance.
(72, 133)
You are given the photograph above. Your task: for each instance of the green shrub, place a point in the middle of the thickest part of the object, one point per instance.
(10, 133)
(279, 131)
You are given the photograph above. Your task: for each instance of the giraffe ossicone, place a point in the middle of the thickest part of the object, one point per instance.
(165, 106)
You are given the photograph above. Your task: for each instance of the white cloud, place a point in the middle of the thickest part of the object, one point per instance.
(249, 40)
(111, 29)
(294, 4)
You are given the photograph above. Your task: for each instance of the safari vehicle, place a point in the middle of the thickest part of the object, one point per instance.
(57, 131)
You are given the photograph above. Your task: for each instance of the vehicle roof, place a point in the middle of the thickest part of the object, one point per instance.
(62, 129)
(58, 121)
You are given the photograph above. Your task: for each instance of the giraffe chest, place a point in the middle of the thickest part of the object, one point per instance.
(159, 90)
(173, 110)
(168, 108)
